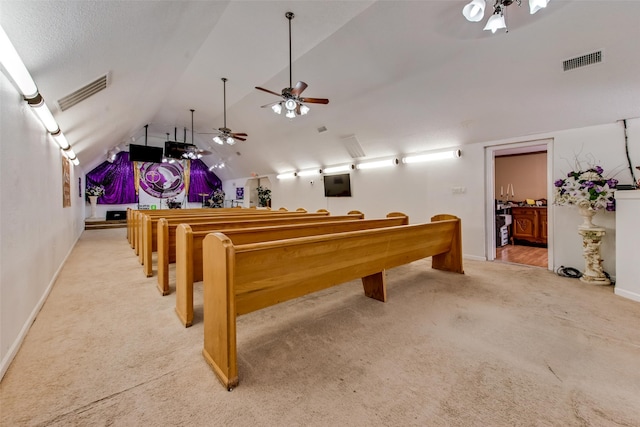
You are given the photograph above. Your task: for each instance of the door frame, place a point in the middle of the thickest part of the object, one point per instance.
(490, 225)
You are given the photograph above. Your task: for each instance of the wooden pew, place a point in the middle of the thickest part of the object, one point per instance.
(138, 217)
(244, 278)
(133, 216)
(189, 266)
(167, 238)
(149, 242)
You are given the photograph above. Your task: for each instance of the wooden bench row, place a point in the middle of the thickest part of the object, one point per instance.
(189, 261)
(166, 235)
(241, 278)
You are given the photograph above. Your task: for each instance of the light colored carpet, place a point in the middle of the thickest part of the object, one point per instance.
(502, 345)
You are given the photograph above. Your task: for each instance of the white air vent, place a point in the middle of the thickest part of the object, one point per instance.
(353, 146)
(582, 61)
(83, 93)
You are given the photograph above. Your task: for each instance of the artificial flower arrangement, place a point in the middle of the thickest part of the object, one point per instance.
(587, 189)
(95, 190)
(264, 195)
(217, 199)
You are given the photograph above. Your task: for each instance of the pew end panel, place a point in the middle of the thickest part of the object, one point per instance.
(220, 343)
(451, 260)
(163, 257)
(185, 261)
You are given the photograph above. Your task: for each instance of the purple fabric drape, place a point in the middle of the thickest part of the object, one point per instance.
(202, 180)
(117, 180)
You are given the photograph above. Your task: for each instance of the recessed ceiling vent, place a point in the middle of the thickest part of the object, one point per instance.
(83, 93)
(353, 146)
(582, 61)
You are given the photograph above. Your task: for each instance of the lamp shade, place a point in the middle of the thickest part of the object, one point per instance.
(290, 104)
(277, 108)
(217, 140)
(536, 5)
(474, 11)
(495, 23)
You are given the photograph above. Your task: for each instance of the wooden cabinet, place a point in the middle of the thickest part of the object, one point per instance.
(530, 224)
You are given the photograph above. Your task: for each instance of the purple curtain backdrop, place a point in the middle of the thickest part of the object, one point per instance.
(117, 178)
(202, 181)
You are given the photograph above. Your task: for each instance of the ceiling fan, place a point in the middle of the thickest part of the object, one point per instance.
(224, 134)
(183, 150)
(291, 99)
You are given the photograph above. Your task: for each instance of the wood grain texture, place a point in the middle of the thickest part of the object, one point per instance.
(189, 261)
(254, 276)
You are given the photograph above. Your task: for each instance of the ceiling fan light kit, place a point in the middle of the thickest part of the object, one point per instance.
(293, 103)
(224, 133)
(474, 12)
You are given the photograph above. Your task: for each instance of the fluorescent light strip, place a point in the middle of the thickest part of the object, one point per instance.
(15, 67)
(61, 140)
(309, 172)
(432, 156)
(286, 175)
(343, 168)
(44, 114)
(377, 164)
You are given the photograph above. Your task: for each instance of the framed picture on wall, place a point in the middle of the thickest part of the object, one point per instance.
(66, 183)
(239, 193)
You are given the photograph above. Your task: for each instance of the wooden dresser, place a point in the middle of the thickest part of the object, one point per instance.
(530, 224)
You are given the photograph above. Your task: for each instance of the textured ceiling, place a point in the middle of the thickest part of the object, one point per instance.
(402, 76)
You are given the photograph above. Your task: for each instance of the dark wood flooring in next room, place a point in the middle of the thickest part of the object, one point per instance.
(518, 254)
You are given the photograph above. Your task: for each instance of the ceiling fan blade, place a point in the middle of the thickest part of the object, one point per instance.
(268, 91)
(269, 105)
(315, 100)
(238, 134)
(204, 152)
(299, 88)
(239, 138)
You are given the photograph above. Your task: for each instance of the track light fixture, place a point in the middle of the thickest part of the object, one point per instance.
(474, 11)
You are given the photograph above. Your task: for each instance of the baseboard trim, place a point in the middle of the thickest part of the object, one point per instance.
(627, 294)
(474, 257)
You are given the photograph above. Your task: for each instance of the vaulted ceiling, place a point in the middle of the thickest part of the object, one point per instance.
(401, 76)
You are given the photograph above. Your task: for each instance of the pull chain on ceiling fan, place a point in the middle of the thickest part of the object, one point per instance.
(224, 133)
(291, 99)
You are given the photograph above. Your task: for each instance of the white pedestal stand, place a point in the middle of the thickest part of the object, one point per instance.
(591, 240)
(94, 204)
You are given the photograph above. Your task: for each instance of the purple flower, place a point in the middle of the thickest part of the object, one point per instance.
(612, 182)
(559, 183)
(598, 170)
(587, 184)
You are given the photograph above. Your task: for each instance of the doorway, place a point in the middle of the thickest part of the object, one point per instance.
(519, 187)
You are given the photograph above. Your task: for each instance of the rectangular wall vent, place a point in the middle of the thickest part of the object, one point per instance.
(582, 61)
(83, 93)
(353, 147)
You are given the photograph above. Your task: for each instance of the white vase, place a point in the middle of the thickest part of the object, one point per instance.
(94, 204)
(587, 215)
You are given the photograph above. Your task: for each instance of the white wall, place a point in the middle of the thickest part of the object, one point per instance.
(37, 233)
(424, 189)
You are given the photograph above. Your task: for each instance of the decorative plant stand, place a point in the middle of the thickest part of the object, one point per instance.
(94, 203)
(591, 240)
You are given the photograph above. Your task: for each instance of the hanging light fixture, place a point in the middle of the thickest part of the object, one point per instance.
(292, 101)
(474, 12)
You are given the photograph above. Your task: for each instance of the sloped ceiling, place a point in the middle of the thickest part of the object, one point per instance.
(402, 76)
